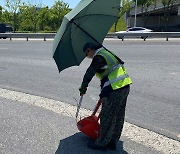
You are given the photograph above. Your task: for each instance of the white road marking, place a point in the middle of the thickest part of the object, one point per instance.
(139, 135)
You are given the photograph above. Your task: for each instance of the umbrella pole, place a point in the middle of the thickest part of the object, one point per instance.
(89, 35)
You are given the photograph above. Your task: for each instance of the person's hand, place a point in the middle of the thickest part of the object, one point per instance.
(82, 90)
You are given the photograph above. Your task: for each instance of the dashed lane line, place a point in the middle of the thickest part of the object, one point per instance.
(137, 134)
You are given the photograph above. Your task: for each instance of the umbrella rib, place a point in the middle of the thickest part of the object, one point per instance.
(96, 15)
(63, 35)
(72, 47)
(90, 37)
(86, 32)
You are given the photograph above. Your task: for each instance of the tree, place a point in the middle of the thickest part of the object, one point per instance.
(44, 23)
(57, 12)
(34, 16)
(25, 23)
(126, 6)
(147, 13)
(1, 13)
(145, 4)
(28, 17)
(167, 7)
(6, 17)
(13, 6)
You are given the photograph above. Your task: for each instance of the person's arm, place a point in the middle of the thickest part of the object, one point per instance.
(90, 72)
(97, 63)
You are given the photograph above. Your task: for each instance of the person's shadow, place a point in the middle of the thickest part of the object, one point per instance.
(77, 144)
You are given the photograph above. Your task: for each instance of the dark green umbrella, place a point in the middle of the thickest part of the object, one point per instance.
(89, 21)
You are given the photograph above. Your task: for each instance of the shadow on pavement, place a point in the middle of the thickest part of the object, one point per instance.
(77, 144)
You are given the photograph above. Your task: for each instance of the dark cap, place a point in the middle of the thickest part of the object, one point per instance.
(91, 46)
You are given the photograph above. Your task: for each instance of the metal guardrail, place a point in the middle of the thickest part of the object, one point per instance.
(27, 35)
(144, 36)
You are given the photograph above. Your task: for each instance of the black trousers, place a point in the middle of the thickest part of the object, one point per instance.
(112, 117)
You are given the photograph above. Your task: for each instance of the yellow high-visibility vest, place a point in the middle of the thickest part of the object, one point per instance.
(116, 73)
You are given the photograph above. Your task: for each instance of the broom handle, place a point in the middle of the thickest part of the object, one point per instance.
(98, 117)
(96, 108)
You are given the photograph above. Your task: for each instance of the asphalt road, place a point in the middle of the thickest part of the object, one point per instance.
(154, 101)
(32, 129)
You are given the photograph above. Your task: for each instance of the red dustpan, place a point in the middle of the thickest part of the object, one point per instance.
(90, 125)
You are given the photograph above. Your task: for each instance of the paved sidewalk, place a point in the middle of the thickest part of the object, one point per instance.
(35, 125)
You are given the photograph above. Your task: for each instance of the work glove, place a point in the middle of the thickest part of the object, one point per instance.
(82, 90)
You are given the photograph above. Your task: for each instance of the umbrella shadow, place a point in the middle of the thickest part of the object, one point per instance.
(77, 144)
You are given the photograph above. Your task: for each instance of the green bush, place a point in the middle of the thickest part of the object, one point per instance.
(121, 25)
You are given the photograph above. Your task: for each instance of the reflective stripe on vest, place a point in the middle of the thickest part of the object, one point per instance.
(113, 68)
(115, 80)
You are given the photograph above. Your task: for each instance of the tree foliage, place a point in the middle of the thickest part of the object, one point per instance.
(28, 17)
(126, 6)
(34, 18)
(144, 5)
(167, 7)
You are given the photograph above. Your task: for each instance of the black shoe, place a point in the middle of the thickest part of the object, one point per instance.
(93, 146)
(112, 146)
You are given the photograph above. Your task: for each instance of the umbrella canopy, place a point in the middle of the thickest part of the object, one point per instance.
(89, 21)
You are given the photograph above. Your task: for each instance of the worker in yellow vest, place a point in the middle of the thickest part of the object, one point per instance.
(115, 87)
